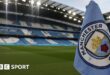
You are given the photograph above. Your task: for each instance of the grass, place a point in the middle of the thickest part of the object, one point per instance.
(42, 60)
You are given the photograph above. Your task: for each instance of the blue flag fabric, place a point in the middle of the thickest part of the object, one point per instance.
(93, 52)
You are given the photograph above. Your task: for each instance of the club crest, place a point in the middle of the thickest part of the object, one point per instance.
(94, 45)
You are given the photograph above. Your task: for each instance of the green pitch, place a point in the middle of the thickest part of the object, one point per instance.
(42, 60)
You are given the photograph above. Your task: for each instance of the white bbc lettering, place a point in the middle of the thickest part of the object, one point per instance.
(1, 66)
(6, 66)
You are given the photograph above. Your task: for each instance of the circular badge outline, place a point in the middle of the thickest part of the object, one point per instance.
(89, 64)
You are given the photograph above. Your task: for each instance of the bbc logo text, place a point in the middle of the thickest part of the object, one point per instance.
(14, 66)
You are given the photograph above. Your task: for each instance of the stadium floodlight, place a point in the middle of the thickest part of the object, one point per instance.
(75, 19)
(83, 17)
(79, 21)
(58, 8)
(38, 3)
(70, 17)
(74, 13)
(24, 0)
(70, 12)
(32, 2)
(108, 17)
(64, 10)
(6, 2)
(65, 15)
(45, 5)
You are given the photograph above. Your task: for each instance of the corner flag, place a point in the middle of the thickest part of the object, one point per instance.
(93, 52)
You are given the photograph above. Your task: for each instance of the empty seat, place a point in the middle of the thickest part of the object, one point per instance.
(26, 31)
(22, 23)
(31, 41)
(36, 25)
(5, 21)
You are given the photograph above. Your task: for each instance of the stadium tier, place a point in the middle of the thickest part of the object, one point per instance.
(27, 33)
(23, 24)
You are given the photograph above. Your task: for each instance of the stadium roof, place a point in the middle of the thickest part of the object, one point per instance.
(59, 10)
(81, 4)
(63, 6)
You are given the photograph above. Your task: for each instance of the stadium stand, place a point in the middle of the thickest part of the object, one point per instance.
(19, 28)
(22, 28)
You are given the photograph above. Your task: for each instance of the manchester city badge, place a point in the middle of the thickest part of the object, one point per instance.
(94, 45)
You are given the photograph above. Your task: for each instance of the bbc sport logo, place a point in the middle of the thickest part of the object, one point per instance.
(14, 66)
(4, 66)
